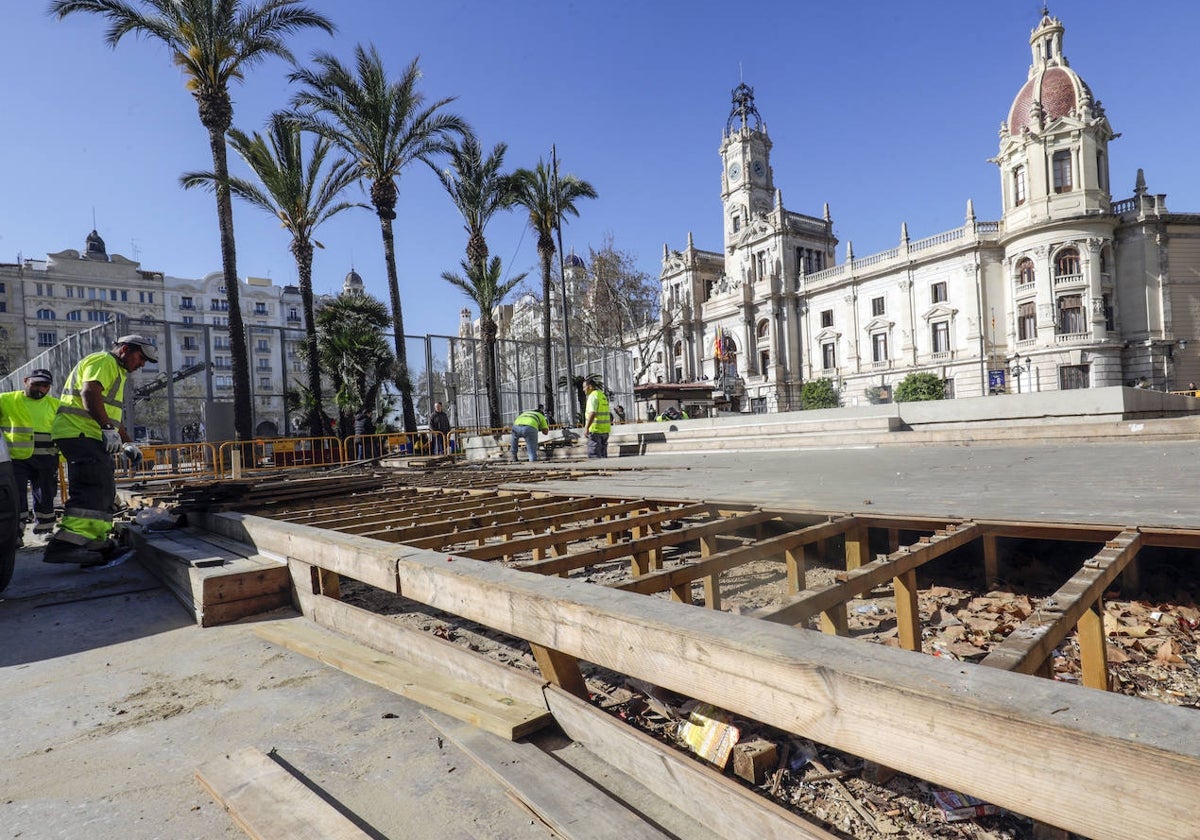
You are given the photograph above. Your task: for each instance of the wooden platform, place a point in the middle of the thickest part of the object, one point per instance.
(218, 580)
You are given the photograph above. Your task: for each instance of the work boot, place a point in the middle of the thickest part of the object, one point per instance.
(43, 526)
(61, 551)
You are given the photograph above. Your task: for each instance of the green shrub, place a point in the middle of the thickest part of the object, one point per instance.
(819, 393)
(920, 386)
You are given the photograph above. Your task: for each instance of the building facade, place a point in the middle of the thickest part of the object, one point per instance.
(42, 302)
(1068, 289)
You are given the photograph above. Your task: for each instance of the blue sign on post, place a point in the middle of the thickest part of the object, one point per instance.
(997, 381)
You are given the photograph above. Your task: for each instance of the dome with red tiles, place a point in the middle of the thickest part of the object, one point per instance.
(1055, 88)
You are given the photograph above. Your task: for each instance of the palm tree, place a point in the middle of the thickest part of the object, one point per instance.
(214, 42)
(478, 189)
(537, 193)
(384, 125)
(352, 350)
(296, 193)
(482, 284)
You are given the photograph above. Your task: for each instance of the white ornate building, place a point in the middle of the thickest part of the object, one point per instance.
(1068, 289)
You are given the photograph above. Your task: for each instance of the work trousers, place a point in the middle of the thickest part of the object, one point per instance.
(91, 492)
(41, 473)
(530, 435)
(597, 444)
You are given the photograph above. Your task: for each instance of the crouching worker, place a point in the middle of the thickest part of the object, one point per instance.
(87, 430)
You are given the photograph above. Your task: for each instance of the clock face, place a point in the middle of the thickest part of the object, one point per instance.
(759, 169)
(735, 171)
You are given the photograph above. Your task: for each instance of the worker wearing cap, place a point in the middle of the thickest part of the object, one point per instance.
(88, 431)
(598, 420)
(26, 417)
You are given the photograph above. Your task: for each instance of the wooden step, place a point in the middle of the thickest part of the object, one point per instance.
(217, 583)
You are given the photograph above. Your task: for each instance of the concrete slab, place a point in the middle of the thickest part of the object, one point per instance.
(111, 696)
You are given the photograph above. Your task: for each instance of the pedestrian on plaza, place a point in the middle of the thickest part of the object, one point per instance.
(26, 417)
(88, 431)
(620, 412)
(598, 420)
(439, 425)
(526, 426)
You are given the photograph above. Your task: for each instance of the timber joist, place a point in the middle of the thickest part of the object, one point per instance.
(952, 723)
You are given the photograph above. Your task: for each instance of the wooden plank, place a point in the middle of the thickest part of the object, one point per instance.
(417, 647)
(991, 561)
(804, 605)
(533, 519)
(508, 549)
(570, 805)
(731, 558)
(719, 803)
(269, 803)
(497, 713)
(688, 533)
(1031, 644)
(965, 727)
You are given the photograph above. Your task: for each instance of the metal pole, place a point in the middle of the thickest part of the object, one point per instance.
(562, 273)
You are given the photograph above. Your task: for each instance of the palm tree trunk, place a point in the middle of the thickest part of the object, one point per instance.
(489, 329)
(547, 360)
(402, 380)
(243, 418)
(303, 252)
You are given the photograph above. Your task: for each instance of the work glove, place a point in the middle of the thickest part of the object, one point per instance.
(112, 441)
(133, 453)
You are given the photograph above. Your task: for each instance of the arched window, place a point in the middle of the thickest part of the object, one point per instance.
(764, 327)
(75, 315)
(677, 349)
(46, 315)
(1025, 272)
(1066, 263)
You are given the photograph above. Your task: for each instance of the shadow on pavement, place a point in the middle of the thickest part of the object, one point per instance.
(54, 610)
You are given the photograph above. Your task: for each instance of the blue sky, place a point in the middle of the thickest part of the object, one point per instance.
(886, 110)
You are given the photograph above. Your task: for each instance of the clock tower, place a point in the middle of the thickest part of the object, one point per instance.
(747, 185)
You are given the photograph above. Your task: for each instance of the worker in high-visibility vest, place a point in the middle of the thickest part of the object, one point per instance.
(598, 420)
(88, 431)
(526, 427)
(25, 418)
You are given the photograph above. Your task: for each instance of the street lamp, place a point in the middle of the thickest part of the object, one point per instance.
(1018, 368)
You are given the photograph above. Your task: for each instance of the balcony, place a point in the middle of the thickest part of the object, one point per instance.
(1067, 339)
(941, 356)
(293, 319)
(1064, 281)
(189, 306)
(884, 364)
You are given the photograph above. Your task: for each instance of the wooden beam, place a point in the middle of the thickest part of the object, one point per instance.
(565, 801)
(687, 533)
(965, 727)
(731, 558)
(269, 803)
(533, 520)
(416, 647)
(804, 605)
(720, 804)
(908, 617)
(1093, 655)
(991, 561)
(560, 669)
(857, 548)
(1031, 644)
(488, 709)
(508, 549)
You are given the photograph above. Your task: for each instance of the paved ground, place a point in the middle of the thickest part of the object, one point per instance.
(110, 697)
(1139, 483)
